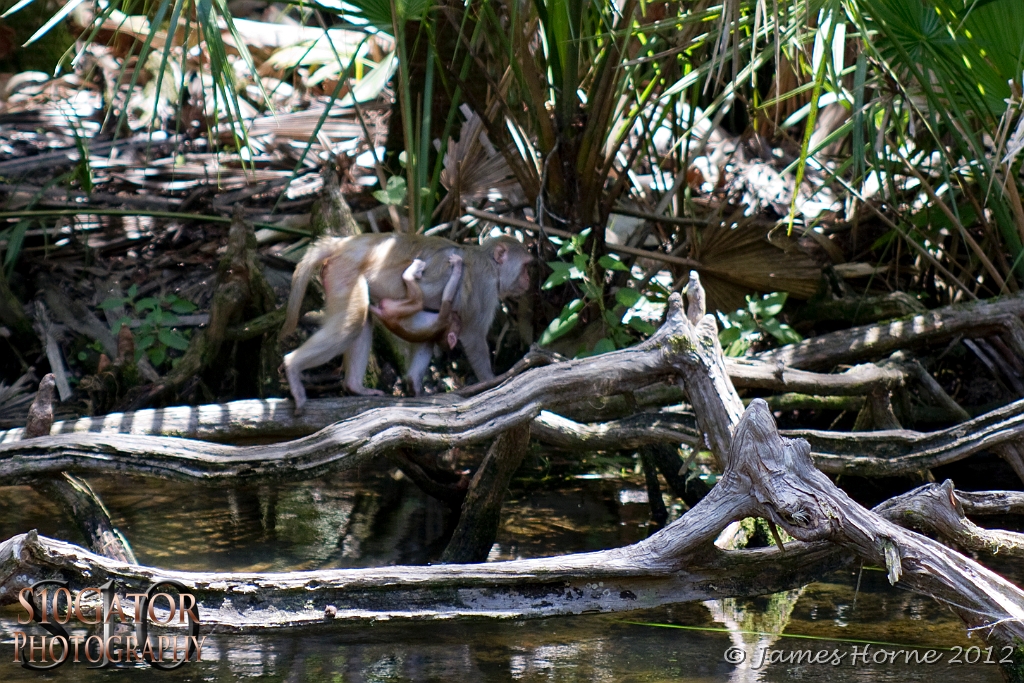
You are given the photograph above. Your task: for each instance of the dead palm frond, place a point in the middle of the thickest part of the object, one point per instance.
(739, 259)
(474, 170)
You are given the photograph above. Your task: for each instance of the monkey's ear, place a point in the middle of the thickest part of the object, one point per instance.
(500, 253)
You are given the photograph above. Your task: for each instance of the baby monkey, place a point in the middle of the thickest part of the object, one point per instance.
(407, 318)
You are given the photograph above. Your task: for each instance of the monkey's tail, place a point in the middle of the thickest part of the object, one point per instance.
(316, 254)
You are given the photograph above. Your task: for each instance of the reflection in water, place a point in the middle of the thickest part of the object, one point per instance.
(380, 520)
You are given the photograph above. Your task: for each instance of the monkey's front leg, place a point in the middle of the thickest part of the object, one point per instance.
(478, 353)
(421, 354)
(357, 357)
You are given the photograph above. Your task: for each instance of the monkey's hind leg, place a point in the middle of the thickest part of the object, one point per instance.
(357, 357)
(343, 329)
(324, 345)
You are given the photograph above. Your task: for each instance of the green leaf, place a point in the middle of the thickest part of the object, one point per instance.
(628, 297)
(57, 18)
(157, 355)
(579, 238)
(20, 5)
(15, 239)
(173, 339)
(394, 193)
(641, 326)
(123, 320)
(742, 319)
(603, 346)
(148, 304)
(564, 323)
(567, 247)
(769, 306)
(560, 276)
(132, 291)
(612, 263)
(738, 347)
(145, 341)
(581, 263)
(111, 303)
(182, 307)
(782, 332)
(728, 336)
(162, 317)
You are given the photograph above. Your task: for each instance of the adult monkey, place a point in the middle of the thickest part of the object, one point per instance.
(372, 265)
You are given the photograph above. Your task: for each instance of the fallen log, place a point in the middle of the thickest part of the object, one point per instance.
(992, 502)
(879, 453)
(937, 509)
(274, 418)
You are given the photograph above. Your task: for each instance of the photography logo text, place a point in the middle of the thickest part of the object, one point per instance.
(54, 608)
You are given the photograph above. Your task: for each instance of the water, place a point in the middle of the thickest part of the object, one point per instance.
(377, 520)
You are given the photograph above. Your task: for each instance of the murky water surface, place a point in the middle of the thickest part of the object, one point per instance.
(378, 521)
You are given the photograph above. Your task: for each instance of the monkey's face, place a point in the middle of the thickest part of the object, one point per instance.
(513, 268)
(522, 282)
(514, 279)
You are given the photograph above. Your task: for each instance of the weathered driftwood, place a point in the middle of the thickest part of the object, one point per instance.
(766, 476)
(895, 452)
(874, 454)
(677, 351)
(716, 404)
(757, 373)
(976, 319)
